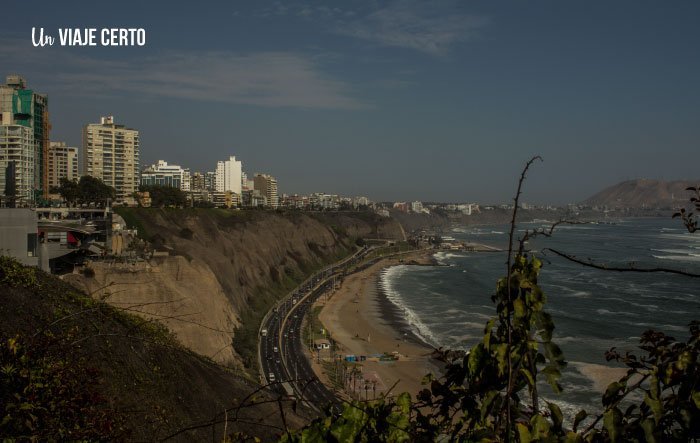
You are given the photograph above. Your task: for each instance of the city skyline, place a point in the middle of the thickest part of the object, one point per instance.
(397, 101)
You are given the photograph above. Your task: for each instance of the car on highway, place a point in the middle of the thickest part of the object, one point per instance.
(271, 376)
(274, 349)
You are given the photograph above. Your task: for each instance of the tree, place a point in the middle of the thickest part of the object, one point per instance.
(163, 196)
(94, 190)
(85, 191)
(68, 190)
(690, 218)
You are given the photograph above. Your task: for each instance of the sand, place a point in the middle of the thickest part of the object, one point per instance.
(358, 319)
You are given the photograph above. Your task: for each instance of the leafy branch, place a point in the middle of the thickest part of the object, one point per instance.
(690, 218)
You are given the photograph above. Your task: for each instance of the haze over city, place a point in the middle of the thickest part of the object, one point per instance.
(395, 100)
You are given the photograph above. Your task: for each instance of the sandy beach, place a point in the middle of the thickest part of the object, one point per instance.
(359, 320)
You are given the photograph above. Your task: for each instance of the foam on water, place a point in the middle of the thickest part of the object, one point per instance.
(387, 280)
(690, 257)
(444, 258)
(675, 251)
(608, 312)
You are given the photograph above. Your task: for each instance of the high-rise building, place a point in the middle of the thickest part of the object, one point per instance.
(210, 181)
(186, 180)
(23, 108)
(111, 153)
(267, 185)
(229, 175)
(198, 182)
(63, 163)
(17, 166)
(163, 174)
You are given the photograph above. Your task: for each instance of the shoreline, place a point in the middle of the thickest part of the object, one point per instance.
(393, 314)
(364, 322)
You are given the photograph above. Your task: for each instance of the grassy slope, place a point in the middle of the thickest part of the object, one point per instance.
(150, 386)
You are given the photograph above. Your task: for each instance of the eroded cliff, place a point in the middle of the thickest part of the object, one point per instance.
(225, 269)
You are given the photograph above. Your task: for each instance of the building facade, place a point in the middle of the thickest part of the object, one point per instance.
(63, 163)
(18, 236)
(23, 108)
(163, 174)
(267, 185)
(17, 165)
(210, 181)
(197, 182)
(229, 176)
(111, 153)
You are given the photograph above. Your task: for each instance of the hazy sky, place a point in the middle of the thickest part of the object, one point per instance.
(393, 100)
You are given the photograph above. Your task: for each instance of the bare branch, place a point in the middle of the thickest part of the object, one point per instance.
(516, 201)
(545, 232)
(603, 267)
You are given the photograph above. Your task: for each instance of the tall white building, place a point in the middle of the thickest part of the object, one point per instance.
(17, 164)
(229, 175)
(111, 153)
(163, 174)
(63, 163)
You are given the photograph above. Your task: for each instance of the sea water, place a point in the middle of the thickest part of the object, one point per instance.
(593, 310)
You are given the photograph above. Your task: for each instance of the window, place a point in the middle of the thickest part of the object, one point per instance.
(31, 245)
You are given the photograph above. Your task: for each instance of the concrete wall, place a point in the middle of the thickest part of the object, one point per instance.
(16, 225)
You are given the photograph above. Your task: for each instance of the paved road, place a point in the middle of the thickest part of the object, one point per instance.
(281, 351)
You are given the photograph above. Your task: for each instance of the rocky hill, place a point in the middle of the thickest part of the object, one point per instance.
(643, 193)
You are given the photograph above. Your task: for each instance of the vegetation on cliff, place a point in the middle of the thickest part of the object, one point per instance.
(256, 256)
(75, 368)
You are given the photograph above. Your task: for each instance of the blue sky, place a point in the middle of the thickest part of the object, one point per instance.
(394, 100)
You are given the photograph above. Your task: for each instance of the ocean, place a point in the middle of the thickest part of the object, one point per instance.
(593, 310)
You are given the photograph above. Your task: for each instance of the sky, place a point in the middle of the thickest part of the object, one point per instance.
(395, 100)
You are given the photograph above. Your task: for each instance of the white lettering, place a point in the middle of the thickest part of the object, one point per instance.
(141, 37)
(123, 37)
(105, 37)
(63, 36)
(43, 39)
(88, 37)
(77, 37)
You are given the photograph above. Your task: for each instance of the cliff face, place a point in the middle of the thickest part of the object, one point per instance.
(225, 269)
(183, 295)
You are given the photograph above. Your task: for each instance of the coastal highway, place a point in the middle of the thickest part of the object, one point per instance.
(283, 363)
